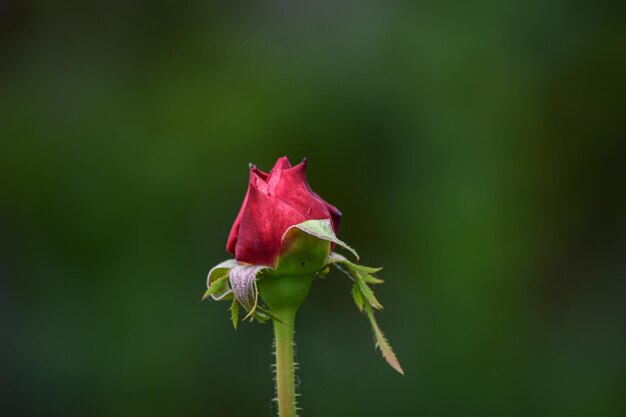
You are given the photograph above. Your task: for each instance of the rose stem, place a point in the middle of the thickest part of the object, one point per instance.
(284, 295)
(285, 373)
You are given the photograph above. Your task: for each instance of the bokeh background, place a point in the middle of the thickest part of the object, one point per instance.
(476, 150)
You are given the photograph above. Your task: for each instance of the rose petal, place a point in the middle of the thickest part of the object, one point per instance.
(335, 215)
(294, 189)
(282, 198)
(256, 179)
(276, 173)
(261, 174)
(263, 223)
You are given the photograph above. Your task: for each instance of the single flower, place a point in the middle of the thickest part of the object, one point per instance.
(273, 203)
(282, 239)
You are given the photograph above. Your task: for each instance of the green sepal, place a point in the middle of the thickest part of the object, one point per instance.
(243, 280)
(217, 286)
(267, 313)
(218, 271)
(263, 315)
(301, 253)
(234, 313)
(322, 229)
(259, 317)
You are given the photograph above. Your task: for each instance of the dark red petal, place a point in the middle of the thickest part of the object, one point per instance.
(273, 203)
(335, 216)
(294, 189)
(263, 223)
(261, 174)
(281, 163)
(276, 173)
(256, 179)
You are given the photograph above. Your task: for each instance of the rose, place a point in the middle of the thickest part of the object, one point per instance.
(273, 203)
(282, 240)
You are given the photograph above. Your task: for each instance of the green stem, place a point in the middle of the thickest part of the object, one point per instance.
(284, 294)
(285, 373)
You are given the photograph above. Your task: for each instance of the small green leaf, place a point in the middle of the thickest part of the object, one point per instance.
(365, 299)
(357, 296)
(354, 270)
(363, 268)
(335, 258)
(269, 314)
(260, 317)
(370, 279)
(360, 276)
(382, 343)
(216, 286)
(368, 294)
(234, 313)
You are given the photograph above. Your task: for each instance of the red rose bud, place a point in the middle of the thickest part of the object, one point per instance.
(273, 203)
(282, 239)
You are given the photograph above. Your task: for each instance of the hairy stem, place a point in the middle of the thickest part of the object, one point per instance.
(284, 294)
(285, 373)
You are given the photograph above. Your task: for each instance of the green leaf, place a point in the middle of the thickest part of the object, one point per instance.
(352, 269)
(234, 313)
(365, 299)
(269, 314)
(260, 316)
(335, 258)
(359, 276)
(363, 268)
(382, 343)
(216, 286)
(368, 294)
(370, 279)
(323, 229)
(357, 296)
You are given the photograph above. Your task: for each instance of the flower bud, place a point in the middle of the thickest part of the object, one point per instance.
(273, 203)
(282, 239)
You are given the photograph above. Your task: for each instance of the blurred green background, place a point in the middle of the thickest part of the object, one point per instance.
(476, 150)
